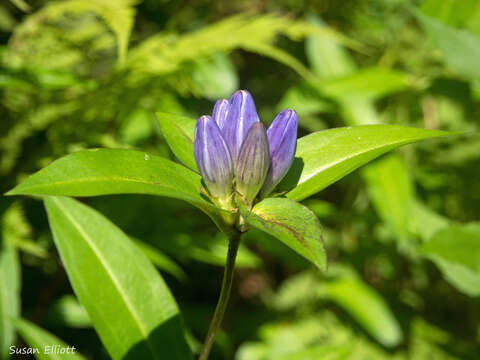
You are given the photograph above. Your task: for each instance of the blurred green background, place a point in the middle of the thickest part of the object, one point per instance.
(402, 234)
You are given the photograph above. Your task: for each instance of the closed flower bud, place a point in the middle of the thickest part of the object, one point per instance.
(220, 112)
(241, 116)
(282, 138)
(252, 163)
(213, 158)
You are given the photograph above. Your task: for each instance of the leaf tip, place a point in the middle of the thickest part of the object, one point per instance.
(12, 192)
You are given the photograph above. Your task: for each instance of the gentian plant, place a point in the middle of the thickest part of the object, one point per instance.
(231, 168)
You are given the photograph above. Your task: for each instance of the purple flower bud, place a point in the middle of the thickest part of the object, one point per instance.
(241, 116)
(220, 112)
(213, 158)
(252, 163)
(282, 138)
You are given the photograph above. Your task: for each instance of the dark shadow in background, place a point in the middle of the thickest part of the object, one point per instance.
(167, 340)
(293, 176)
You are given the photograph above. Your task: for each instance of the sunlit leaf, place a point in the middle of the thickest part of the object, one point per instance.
(161, 53)
(215, 77)
(179, 133)
(326, 156)
(127, 301)
(293, 224)
(49, 346)
(109, 171)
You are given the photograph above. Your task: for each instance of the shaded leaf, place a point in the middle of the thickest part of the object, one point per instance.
(460, 48)
(9, 292)
(160, 260)
(367, 307)
(293, 224)
(36, 337)
(391, 192)
(456, 251)
(128, 302)
(458, 244)
(69, 312)
(365, 84)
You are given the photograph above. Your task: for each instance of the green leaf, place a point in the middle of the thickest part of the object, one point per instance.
(21, 4)
(49, 346)
(128, 302)
(179, 133)
(370, 83)
(326, 156)
(9, 293)
(368, 308)
(324, 352)
(113, 171)
(460, 48)
(162, 53)
(391, 192)
(460, 276)
(215, 77)
(69, 312)
(292, 223)
(458, 244)
(452, 12)
(327, 58)
(455, 250)
(424, 222)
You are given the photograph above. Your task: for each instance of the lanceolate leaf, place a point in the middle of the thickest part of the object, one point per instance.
(109, 171)
(326, 156)
(292, 223)
(9, 293)
(129, 304)
(49, 346)
(179, 131)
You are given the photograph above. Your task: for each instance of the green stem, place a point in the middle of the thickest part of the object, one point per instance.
(233, 244)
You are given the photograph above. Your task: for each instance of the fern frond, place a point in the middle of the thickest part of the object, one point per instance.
(162, 54)
(119, 15)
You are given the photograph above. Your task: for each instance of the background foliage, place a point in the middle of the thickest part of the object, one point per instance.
(402, 234)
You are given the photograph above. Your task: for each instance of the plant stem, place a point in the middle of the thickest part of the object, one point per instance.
(234, 242)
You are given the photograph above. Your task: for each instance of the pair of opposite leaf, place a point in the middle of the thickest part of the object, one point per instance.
(237, 157)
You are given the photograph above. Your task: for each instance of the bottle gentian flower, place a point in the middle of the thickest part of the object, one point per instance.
(236, 155)
(213, 159)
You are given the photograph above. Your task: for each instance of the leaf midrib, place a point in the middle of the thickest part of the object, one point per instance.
(113, 178)
(348, 157)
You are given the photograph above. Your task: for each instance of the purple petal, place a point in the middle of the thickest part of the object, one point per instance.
(252, 163)
(220, 112)
(241, 116)
(282, 139)
(213, 158)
